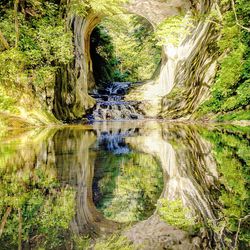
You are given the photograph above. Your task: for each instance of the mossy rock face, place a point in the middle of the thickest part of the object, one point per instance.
(72, 81)
(26, 119)
(195, 75)
(11, 121)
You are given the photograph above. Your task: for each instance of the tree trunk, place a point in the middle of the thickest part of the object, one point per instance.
(3, 41)
(16, 2)
(20, 229)
(4, 220)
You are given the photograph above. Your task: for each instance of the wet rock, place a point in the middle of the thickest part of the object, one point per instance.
(154, 234)
(103, 106)
(113, 106)
(134, 116)
(196, 241)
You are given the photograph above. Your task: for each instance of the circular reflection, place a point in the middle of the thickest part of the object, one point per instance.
(127, 183)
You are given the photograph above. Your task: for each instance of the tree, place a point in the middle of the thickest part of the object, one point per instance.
(3, 41)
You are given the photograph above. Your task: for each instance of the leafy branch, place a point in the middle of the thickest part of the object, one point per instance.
(238, 231)
(236, 17)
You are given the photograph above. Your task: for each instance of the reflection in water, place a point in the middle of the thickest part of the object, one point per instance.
(121, 194)
(189, 175)
(189, 169)
(94, 180)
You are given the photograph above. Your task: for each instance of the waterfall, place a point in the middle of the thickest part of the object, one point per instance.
(112, 106)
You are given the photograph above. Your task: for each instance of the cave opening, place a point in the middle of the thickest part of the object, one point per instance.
(123, 49)
(124, 54)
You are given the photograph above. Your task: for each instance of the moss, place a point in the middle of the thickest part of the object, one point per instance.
(81, 242)
(235, 116)
(10, 121)
(115, 242)
(174, 93)
(175, 214)
(27, 119)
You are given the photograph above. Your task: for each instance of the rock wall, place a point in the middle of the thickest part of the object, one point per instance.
(73, 81)
(156, 11)
(187, 70)
(190, 71)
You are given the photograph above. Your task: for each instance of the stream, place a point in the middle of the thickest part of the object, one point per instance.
(112, 106)
(69, 186)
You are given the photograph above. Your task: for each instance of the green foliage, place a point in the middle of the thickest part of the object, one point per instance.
(43, 45)
(12, 63)
(227, 79)
(103, 7)
(7, 103)
(241, 98)
(231, 147)
(130, 187)
(175, 214)
(173, 29)
(231, 91)
(103, 56)
(81, 242)
(114, 242)
(126, 49)
(239, 115)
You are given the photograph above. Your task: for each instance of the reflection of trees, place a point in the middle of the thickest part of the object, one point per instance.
(41, 171)
(231, 147)
(35, 209)
(129, 185)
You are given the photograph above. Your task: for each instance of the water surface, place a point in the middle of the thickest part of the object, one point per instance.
(63, 185)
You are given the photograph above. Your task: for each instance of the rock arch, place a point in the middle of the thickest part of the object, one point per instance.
(74, 80)
(156, 11)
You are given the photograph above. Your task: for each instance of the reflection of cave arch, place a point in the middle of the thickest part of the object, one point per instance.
(77, 169)
(76, 164)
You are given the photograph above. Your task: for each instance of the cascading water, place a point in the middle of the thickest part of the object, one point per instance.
(114, 141)
(112, 106)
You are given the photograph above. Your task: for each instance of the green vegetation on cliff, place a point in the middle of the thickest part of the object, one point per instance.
(35, 43)
(231, 147)
(230, 97)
